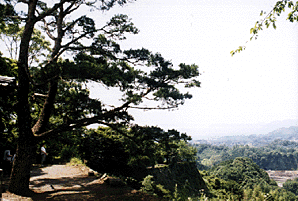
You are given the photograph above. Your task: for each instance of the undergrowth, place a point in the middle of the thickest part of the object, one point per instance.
(75, 161)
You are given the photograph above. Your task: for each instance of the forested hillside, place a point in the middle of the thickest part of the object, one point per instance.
(277, 150)
(278, 155)
(242, 179)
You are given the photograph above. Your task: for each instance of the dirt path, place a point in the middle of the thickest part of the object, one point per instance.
(62, 182)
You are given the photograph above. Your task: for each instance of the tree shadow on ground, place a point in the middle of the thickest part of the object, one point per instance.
(62, 182)
(88, 188)
(37, 172)
(77, 187)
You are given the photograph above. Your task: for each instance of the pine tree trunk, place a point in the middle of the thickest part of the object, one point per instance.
(20, 176)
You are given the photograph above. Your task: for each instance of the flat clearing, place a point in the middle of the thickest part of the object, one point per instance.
(62, 182)
(281, 176)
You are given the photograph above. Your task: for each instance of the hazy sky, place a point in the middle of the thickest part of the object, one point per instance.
(249, 93)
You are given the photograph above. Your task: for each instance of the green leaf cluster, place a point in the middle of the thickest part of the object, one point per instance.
(8, 101)
(270, 19)
(8, 17)
(291, 185)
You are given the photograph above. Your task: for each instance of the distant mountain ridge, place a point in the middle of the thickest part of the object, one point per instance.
(284, 134)
(288, 133)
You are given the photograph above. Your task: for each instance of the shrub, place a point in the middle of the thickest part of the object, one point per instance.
(68, 152)
(150, 187)
(291, 185)
(76, 161)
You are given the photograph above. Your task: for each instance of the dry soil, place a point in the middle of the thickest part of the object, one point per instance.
(62, 182)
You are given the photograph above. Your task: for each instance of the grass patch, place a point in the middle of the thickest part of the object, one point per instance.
(75, 162)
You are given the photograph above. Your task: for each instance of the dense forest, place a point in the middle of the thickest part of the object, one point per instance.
(242, 179)
(234, 167)
(271, 152)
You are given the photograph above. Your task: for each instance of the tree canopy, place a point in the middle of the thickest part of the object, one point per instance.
(242, 179)
(59, 50)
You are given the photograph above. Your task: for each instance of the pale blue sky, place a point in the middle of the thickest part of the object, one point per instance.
(249, 93)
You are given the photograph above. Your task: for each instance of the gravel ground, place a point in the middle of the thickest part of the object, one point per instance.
(62, 182)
